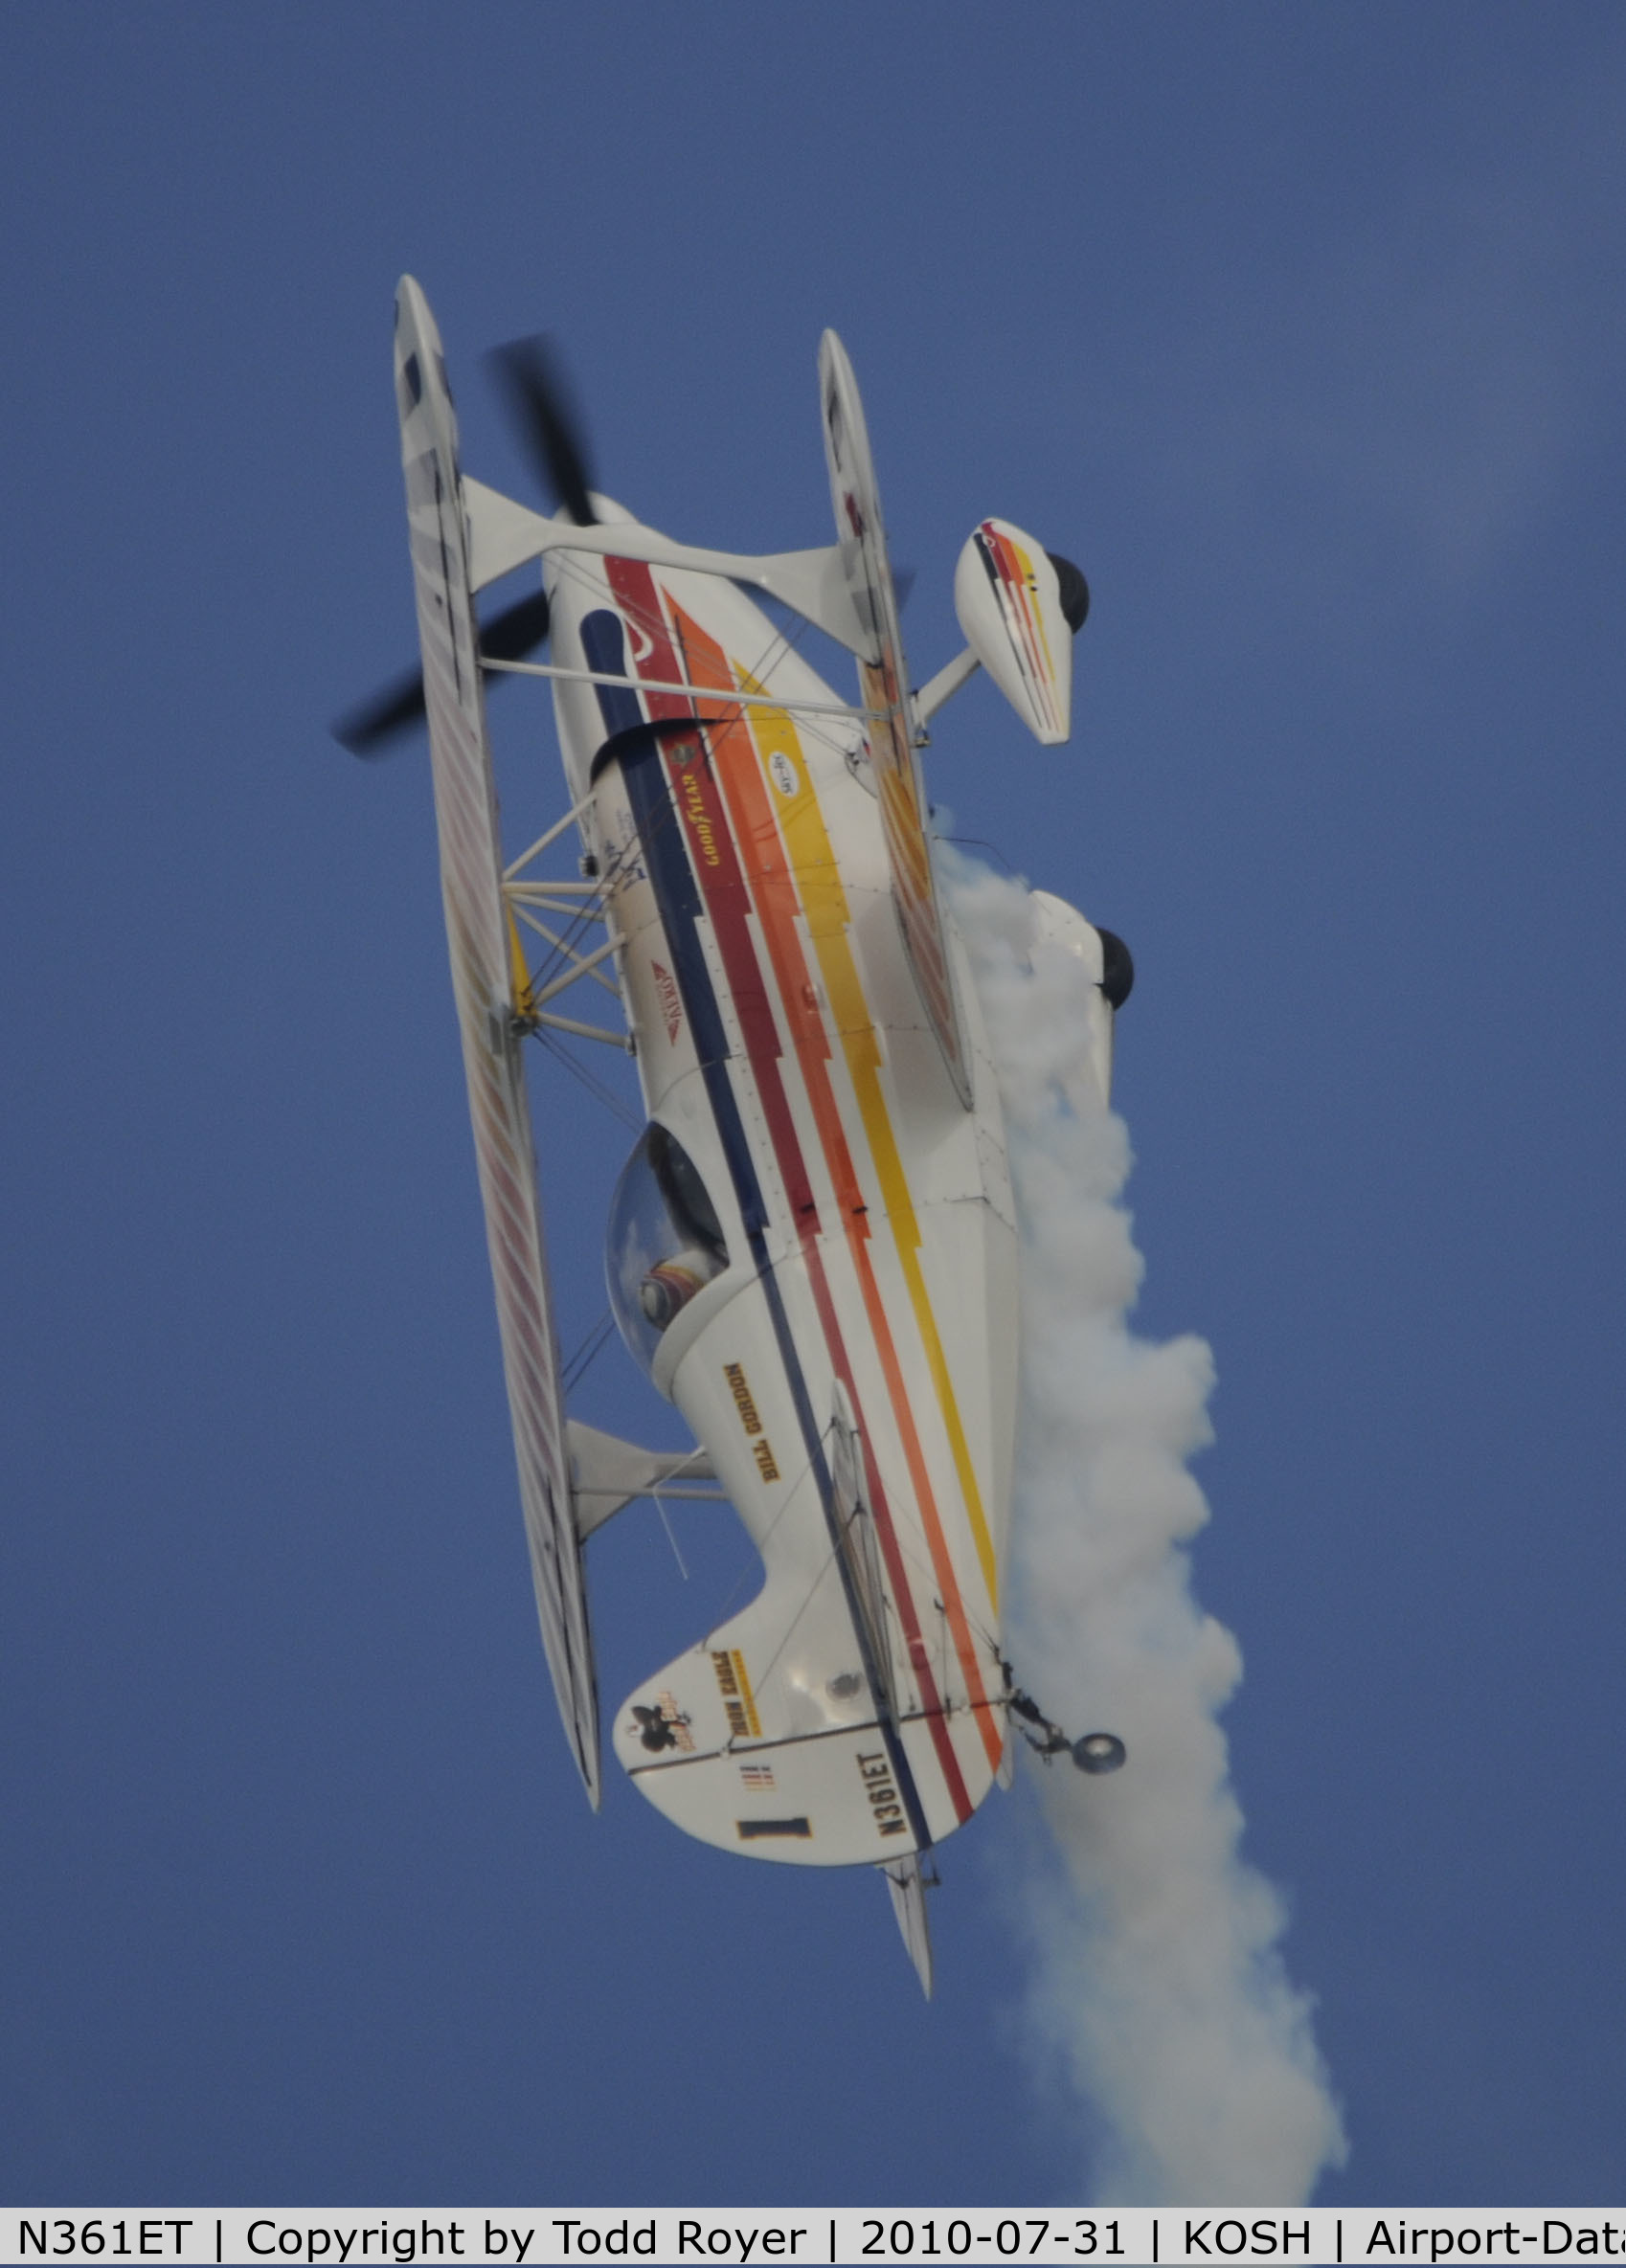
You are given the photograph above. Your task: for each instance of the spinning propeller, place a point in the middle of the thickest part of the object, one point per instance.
(528, 372)
(530, 377)
(508, 636)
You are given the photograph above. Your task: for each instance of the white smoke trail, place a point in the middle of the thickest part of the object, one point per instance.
(1156, 1976)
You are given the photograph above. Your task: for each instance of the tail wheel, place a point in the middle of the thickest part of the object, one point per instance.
(1099, 1752)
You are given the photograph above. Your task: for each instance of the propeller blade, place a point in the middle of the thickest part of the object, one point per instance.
(512, 634)
(367, 730)
(508, 636)
(528, 372)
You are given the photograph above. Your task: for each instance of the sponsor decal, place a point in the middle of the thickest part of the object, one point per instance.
(734, 1373)
(875, 1771)
(667, 992)
(699, 819)
(767, 1465)
(782, 772)
(739, 1700)
(664, 1726)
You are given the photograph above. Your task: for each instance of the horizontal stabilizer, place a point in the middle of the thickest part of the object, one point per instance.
(607, 1472)
(908, 1886)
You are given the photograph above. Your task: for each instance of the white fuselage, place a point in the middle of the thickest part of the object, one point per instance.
(834, 1312)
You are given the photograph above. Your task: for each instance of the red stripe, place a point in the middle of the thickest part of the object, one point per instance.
(714, 859)
(777, 908)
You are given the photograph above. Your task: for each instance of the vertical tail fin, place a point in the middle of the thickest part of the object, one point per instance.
(907, 1884)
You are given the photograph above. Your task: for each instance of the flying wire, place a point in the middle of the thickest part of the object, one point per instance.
(588, 1351)
(590, 1080)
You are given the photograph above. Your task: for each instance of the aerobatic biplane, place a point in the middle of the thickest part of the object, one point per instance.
(812, 1249)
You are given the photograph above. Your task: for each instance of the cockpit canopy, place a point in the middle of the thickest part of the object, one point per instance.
(664, 1241)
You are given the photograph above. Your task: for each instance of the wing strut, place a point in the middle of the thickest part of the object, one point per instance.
(477, 936)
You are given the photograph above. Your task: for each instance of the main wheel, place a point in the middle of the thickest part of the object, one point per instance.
(1118, 970)
(1075, 591)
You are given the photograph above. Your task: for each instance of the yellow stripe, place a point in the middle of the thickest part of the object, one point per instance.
(1029, 576)
(824, 899)
(748, 1699)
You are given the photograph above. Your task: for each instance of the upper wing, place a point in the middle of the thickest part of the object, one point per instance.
(466, 813)
(886, 693)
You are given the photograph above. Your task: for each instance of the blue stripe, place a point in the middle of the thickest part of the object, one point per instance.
(681, 907)
(603, 641)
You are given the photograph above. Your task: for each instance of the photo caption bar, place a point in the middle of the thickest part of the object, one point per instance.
(1139, 2237)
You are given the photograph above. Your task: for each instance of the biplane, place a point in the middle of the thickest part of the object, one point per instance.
(812, 1249)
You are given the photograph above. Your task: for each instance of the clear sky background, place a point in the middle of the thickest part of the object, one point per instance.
(1300, 327)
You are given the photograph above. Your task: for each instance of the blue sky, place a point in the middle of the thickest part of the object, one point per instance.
(1300, 327)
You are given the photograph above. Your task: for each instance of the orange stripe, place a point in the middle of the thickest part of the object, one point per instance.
(703, 660)
(774, 888)
(813, 865)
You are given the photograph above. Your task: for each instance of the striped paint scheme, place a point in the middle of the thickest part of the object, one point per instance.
(693, 870)
(1013, 579)
(793, 881)
(794, 874)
